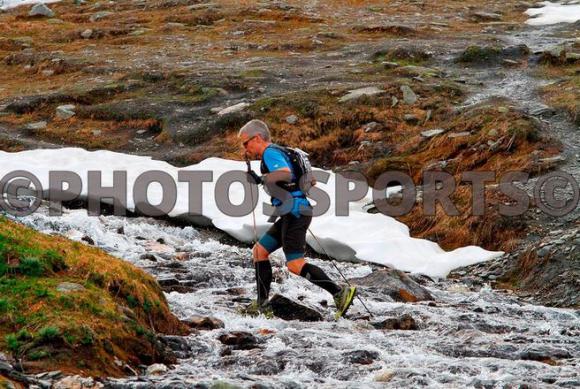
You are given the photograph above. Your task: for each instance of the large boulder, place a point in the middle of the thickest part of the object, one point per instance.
(394, 283)
(286, 309)
(41, 10)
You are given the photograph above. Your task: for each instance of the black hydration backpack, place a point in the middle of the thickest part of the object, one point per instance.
(301, 168)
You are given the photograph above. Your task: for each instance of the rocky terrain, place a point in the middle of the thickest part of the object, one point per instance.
(364, 87)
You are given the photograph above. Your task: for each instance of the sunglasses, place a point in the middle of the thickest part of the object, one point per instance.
(248, 141)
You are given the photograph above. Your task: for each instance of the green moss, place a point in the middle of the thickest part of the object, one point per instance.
(37, 321)
(478, 54)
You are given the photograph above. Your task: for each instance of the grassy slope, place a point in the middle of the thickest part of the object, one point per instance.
(115, 316)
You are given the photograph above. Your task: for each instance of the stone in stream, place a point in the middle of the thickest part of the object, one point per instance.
(157, 369)
(405, 322)
(239, 340)
(41, 10)
(394, 283)
(204, 322)
(361, 357)
(286, 309)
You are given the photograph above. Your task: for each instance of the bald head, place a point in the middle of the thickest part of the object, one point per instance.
(255, 127)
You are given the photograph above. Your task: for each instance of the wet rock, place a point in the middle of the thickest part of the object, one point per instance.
(385, 375)
(204, 323)
(356, 93)
(361, 357)
(157, 369)
(233, 109)
(481, 16)
(64, 112)
(409, 97)
(77, 382)
(286, 309)
(405, 322)
(41, 10)
(239, 340)
(100, 15)
(35, 126)
(544, 353)
(88, 240)
(292, 119)
(69, 287)
(432, 133)
(394, 283)
(177, 344)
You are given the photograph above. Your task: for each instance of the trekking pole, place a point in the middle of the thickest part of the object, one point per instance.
(339, 272)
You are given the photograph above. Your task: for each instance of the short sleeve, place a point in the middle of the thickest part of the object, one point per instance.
(275, 160)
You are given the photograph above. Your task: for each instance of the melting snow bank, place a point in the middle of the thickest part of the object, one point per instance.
(360, 236)
(552, 13)
(7, 4)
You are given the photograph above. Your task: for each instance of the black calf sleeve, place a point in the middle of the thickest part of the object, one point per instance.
(317, 276)
(263, 280)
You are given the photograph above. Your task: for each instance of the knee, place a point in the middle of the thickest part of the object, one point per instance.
(295, 266)
(259, 253)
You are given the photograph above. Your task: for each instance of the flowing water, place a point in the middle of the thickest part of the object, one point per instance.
(466, 337)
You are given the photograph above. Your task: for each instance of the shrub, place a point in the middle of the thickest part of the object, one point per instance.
(31, 266)
(49, 333)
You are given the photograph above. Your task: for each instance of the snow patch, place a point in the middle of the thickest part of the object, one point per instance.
(552, 13)
(7, 4)
(360, 236)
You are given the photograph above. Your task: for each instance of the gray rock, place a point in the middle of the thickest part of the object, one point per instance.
(204, 323)
(390, 65)
(485, 16)
(69, 287)
(157, 369)
(405, 322)
(372, 127)
(35, 126)
(395, 284)
(361, 357)
(286, 309)
(411, 119)
(100, 15)
(239, 340)
(432, 133)
(292, 119)
(64, 112)
(356, 93)
(233, 109)
(41, 10)
(409, 97)
(492, 133)
(459, 134)
(86, 34)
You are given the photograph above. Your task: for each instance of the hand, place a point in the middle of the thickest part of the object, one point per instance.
(254, 178)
